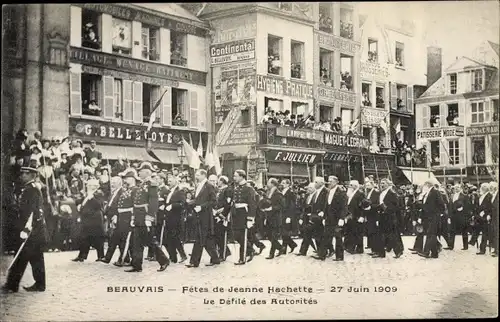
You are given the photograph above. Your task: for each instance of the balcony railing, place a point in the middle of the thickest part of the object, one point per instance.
(411, 158)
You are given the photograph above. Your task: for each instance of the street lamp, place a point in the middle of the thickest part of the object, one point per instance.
(181, 154)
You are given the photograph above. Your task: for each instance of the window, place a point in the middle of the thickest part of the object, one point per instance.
(346, 25)
(300, 108)
(122, 37)
(325, 17)
(326, 66)
(150, 95)
(274, 55)
(325, 113)
(297, 58)
(90, 94)
(402, 96)
(118, 98)
(453, 83)
(400, 53)
(178, 48)
(150, 43)
(346, 120)
(366, 133)
(480, 113)
(245, 118)
(179, 99)
(478, 150)
(11, 18)
(454, 152)
(346, 72)
(366, 89)
(494, 149)
(372, 50)
(90, 29)
(435, 120)
(477, 80)
(272, 104)
(494, 112)
(380, 92)
(452, 118)
(435, 153)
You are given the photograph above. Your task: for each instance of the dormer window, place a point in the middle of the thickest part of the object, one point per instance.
(453, 83)
(477, 80)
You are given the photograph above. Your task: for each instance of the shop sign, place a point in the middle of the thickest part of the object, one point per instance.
(350, 141)
(129, 76)
(232, 52)
(109, 61)
(242, 135)
(294, 157)
(291, 132)
(374, 70)
(331, 157)
(280, 86)
(371, 116)
(95, 130)
(132, 14)
(234, 28)
(333, 94)
(482, 170)
(440, 133)
(344, 45)
(482, 129)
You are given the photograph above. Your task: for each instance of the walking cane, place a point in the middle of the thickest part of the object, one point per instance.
(225, 238)
(127, 245)
(161, 233)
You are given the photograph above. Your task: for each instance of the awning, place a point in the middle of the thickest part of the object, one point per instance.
(419, 176)
(111, 152)
(168, 156)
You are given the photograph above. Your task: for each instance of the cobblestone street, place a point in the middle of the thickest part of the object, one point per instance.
(457, 285)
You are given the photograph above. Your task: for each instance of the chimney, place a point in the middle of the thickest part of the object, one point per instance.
(434, 65)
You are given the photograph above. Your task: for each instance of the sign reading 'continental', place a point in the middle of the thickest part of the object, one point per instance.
(279, 86)
(232, 52)
(440, 133)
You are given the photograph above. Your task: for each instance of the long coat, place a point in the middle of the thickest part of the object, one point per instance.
(273, 217)
(173, 218)
(206, 199)
(289, 211)
(91, 215)
(432, 208)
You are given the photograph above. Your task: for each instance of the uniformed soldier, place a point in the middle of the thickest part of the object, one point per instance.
(243, 214)
(33, 234)
(144, 213)
(222, 209)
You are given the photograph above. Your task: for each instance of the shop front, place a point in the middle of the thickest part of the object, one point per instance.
(482, 141)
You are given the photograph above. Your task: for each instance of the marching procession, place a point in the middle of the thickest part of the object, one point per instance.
(145, 206)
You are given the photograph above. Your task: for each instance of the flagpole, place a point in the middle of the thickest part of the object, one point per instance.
(291, 172)
(388, 170)
(349, 165)
(376, 169)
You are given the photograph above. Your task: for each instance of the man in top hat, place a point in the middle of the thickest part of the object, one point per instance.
(290, 212)
(432, 207)
(354, 225)
(493, 221)
(459, 217)
(118, 234)
(483, 210)
(273, 214)
(252, 231)
(145, 210)
(33, 233)
(387, 207)
(372, 229)
(222, 209)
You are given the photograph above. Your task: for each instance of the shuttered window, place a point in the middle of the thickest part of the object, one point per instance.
(409, 99)
(167, 106)
(108, 97)
(128, 103)
(394, 96)
(193, 117)
(137, 97)
(76, 94)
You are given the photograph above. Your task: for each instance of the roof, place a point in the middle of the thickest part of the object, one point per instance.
(436, 89)
(495, 47)
(212, 7)
(170, 8)
(493, 82)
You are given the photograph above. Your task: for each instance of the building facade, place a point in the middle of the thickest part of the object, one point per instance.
(96, 72)
(457, 118)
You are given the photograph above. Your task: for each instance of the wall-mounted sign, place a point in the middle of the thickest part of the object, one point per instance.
(369, 69)
(234, 28)
(242, 135)
(294, 157)
(234, 85)
(350, 141)
(440, 133)
(482, 129)
(132, 14)
(371, 116)
(129, 76)
(232, 51)
(332, 157)
(291, 132)
(280, 86)
(338, 43)
(109, 61)
(333, 94)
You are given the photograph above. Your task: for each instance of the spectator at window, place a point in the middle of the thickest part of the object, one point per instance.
(90, 38)
(435, 121)
(380, 101)
(337, 127)
(452, 118)
(365, 100)
(325, 79)
(92, 152)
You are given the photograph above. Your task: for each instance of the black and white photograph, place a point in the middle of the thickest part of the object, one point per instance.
(250, 161)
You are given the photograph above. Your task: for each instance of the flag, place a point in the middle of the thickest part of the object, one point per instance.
(209, 158)
(215, 156)
(383, 125)
(354, 126)
(200, 147)
(397, 126)
(152, 115)
(192, 157)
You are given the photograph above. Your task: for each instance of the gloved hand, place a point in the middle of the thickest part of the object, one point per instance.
(341, 222)
(228, 199)
(249, 224)
(23, 235)
(449, 221)
(309, 215)
(301, 221)
(376, 223)
(442, 215)
(414, 223)
(197, 208)
(488, 217)
(162, 207)
(148, 223)
(288, 220)
(323, 222)
(419, 220)
(114, 219)
(79, 207)
(169, 207)
(460, 209)
(321, 214)
(78, 219)
(481, 213)
(132, 223)
(361, 220)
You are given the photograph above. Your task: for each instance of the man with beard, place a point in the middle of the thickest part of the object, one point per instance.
(316, 216)
(336, 211)
(458, 217)
(92, 224)
(289, 211)
(111, 210)
(354, 225)
(418, 224)
(242, 215)
(173, 207)
(304, 224)
(222, 209)
(372, 229)
(273, 217)
(388, 210)
(145, 209)
(482, 213)
(473, 197)
(252, 231)
(433, 206)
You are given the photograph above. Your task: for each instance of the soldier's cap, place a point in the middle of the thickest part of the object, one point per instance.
(146, 165)
(28, 170)
(129, 173)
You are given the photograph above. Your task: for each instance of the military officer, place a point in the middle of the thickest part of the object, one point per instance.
(222, 209)
(144, 213)
(33, 234)
(483, 211)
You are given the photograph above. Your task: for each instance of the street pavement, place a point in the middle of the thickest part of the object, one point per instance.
(459, 284)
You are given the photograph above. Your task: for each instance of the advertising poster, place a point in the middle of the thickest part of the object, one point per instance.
(237, 85)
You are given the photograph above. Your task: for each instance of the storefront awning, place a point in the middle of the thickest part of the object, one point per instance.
(168, 156)
(419, 176)
(111, 152)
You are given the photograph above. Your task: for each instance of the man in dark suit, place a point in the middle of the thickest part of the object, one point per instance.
(203, 204)
(33, 225)
(289, 211)
(92, 153)
(119, 234)
(315, 218)
(252, 231)
(372, 195)
(304, 224)
(335, 213)
(273, 215)
(388, 209)
(354, 225)
(222, 209)
(432, 207)
(483, 211)
(458, 217)
(173, 206)
(91, 217)
(494, 217)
